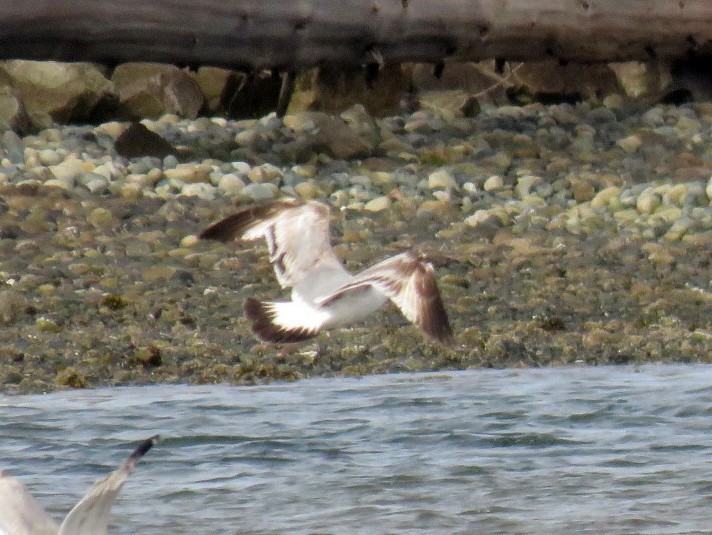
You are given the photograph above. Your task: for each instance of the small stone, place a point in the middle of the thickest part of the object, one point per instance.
(137, 249)
(657, 254)
(648, 202)
(676, 194)
(201, 190)
(114, 301)
(339, 198)
(493, 183)
(148, 357)
(630, 144)
(49, 157)
(69, 377)
(483, 218)
(708, 190)
(260, 192)
(654, 116)
(46, 289)
(434, 207)
(112, 128)
(138, 141)
(501, 160)
(525, 184)
(441, 179)
(471, 107)
(109, 170)
(307, 190)
(298, 122)
(100, 217)
(47, 325)
(613, 101)
(699, 239)
(12, 306)
(679, 228)
(189, 172)
(158, 273)
(382, 178)
(97, 184)
(265, 173)
(605, 196)
(582, 190)
(444, 196)
(378, 204)
(231, 184)
(669, 213)
(68, 170)
(130, 191)
(629, 215)
(688, 126)
(55, 183)
(189, 241)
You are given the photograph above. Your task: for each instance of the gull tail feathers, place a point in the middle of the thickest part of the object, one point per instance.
(283, 322)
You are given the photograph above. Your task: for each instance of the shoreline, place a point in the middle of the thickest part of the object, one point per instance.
(560, 235)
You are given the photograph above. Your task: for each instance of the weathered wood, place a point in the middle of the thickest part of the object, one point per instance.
(293, 34)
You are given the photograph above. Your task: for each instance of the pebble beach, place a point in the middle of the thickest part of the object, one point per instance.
(561, 235)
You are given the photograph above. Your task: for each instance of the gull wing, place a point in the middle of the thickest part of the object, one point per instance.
(409, 282)
(297, 236)
(91, 515)
(20, 513)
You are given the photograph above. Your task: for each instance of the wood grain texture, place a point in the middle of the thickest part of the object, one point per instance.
(253, 34)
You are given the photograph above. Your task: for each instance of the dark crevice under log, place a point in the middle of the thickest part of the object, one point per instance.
(291, 35)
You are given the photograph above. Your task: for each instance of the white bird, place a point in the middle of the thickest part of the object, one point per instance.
(324, 294)
(21, 514)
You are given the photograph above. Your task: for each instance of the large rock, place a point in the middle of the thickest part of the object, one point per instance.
(537, 79)
(149, 90)
(335, 89)
(138, 141)
(573, 79)
(13, 115)
(214, 82)
(52, 91)
(467, 77)
(640, 80)
(249, 96)
(325, 133)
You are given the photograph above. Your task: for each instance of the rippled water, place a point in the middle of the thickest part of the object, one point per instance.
(567, 450)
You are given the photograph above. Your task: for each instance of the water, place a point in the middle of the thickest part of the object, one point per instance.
(572, 450)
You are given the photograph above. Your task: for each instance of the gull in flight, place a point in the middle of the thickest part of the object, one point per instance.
(21, 514)
(324, 294)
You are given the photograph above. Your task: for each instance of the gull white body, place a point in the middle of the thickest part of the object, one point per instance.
(324, 294)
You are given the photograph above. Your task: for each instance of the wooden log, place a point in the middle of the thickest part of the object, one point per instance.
(294, 34)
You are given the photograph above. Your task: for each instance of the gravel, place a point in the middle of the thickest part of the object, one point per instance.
(561, 235)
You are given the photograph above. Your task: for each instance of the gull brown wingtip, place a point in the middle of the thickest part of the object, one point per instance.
(261, 315)
(432, 316)
(235, 225)
(143, 447)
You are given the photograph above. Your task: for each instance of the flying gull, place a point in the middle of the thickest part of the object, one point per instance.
(21, 514)
(324, 294)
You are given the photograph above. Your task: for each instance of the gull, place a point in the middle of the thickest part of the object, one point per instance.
(21, 514)
(325, 295)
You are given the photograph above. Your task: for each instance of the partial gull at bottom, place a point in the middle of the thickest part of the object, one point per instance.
(21, 514)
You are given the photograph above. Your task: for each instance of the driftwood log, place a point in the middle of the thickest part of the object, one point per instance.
(294, 34)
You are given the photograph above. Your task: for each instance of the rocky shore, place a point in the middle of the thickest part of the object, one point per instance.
(561, 235)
